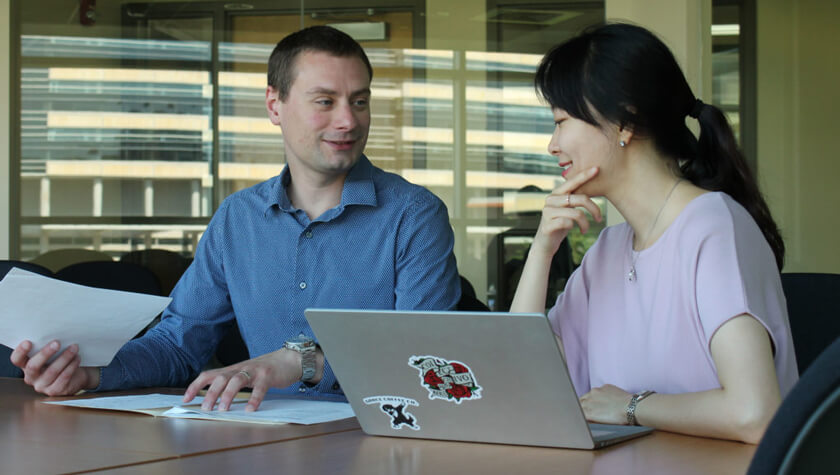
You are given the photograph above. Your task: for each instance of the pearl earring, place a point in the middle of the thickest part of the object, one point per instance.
(622, 143)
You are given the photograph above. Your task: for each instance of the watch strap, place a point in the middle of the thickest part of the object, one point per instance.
(307, 365)
(631, 406)
(307, 348)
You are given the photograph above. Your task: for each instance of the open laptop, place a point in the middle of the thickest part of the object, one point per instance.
(480, 377)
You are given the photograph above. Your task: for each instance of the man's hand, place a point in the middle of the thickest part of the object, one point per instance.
(278, 369)
(61, 377)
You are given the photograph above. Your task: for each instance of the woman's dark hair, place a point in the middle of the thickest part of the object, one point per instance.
(627, 76)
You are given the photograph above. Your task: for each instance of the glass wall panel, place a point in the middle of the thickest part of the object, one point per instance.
(135, 127)
(726, 61)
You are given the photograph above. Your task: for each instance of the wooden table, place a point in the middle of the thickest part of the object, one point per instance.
(40, 438)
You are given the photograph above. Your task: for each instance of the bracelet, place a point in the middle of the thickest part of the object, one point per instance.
(631, 406)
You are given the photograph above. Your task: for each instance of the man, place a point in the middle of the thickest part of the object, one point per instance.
(331, 231)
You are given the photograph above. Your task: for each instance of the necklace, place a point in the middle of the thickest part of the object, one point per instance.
(634, 256)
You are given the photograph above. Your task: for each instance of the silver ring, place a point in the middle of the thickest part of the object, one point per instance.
(568, 200)
(245, 373)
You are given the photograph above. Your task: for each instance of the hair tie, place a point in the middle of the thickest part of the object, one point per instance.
(696, 109)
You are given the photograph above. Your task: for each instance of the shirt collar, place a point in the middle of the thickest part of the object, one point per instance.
(359, 189)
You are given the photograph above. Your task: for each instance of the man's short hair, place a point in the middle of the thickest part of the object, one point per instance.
(326, 39)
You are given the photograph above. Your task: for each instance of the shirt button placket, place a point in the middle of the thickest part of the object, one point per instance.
(307, 235)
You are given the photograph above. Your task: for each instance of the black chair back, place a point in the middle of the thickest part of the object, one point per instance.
(232, 348)
(803, 435)
(167, 266)
(7, 265)
(58, 259)
(7, 369)
(114, 275)
(813, 313)
(469, 301)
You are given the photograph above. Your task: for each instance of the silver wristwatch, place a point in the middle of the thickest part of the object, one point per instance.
(631, 406)
(306, 347)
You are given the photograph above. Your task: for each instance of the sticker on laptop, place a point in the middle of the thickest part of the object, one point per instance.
(448, 380)
(395, 407)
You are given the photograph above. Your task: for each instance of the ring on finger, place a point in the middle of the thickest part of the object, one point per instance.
(568, 200)
(246, 374)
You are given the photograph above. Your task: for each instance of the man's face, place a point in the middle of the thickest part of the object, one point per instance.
(326, 117)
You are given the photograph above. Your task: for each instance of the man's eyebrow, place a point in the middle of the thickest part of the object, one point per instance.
(330, 92)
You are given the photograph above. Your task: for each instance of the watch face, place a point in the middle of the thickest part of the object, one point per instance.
(301, 344)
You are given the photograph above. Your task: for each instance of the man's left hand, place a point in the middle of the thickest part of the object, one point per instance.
(278, 369)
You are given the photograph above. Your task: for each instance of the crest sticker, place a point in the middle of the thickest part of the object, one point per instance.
(448, 380)
(395, 407)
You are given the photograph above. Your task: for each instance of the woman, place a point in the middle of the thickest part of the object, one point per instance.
(675, 319)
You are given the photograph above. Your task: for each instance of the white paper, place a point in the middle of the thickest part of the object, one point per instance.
(276, 410)
(100, 321)
(272, 411)
(128, 403)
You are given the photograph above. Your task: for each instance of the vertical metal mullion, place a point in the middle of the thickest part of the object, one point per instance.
(459, 169)
(15, 111)
(219, 18)
(747, 59)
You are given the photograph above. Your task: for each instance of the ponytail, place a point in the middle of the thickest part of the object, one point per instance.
(718, 165)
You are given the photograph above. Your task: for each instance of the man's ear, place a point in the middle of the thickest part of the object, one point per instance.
(273, 104)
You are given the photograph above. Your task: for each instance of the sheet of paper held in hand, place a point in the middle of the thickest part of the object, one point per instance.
(273, 410)
(100, 321)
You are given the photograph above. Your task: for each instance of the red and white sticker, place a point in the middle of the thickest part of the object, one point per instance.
(448, 380)
(396, 407)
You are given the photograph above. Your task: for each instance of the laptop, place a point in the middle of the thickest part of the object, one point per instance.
(478, 377)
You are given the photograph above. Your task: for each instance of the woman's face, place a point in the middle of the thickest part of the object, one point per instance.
(579, 145)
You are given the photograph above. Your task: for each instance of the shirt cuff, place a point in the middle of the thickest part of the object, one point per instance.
(110, 377)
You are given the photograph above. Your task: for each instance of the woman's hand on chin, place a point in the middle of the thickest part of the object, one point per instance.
(564, 208)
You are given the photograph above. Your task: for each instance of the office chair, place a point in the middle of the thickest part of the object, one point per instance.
(58, 259)
(812, 311)
(469, 301)
(7, 265)
(231, 348)
(114, 275)
(7, 369)
(167, 266)
(803, 435)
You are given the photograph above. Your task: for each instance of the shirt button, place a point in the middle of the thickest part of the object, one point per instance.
(302, 285)
(302, 389)
(308, 234)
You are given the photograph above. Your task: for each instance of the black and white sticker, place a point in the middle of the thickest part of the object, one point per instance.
(396, 407)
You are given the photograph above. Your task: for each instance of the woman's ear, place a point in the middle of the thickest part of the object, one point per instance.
(625, 135)
(625, 131)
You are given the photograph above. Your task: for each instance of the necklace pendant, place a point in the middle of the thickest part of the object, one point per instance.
(631, 276)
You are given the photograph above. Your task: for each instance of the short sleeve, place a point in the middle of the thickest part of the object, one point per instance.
(736, 274)
(568, 319)
(734, 268)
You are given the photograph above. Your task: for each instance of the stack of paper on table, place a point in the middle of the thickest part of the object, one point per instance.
(273, 409)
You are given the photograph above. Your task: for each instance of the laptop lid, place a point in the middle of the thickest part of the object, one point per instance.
(483, 377)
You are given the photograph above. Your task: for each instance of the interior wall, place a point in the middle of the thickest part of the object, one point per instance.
(798, 102)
